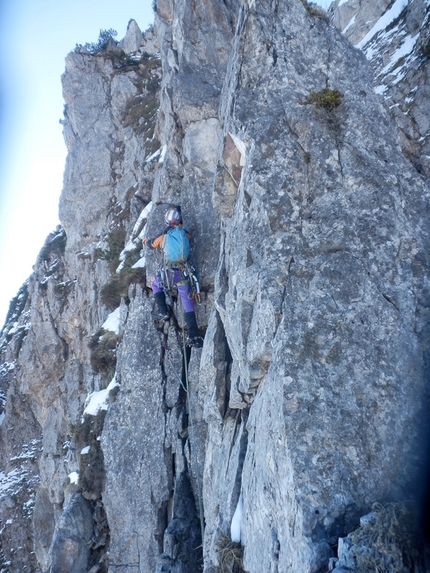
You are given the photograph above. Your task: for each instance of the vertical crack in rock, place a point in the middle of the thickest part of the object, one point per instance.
(223, 386)
(180, 517)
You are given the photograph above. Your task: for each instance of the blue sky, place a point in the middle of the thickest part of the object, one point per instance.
(35, 37)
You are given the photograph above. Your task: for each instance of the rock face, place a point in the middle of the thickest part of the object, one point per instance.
(355, 18)
(70, 550)
(396, 42)
(307, 403)
(53, 352)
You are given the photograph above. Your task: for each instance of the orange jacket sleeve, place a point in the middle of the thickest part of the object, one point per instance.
(157, 242)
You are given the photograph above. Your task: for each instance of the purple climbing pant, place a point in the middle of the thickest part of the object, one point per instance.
(184, 290)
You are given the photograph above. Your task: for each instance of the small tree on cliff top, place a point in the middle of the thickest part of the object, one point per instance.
(100, 45)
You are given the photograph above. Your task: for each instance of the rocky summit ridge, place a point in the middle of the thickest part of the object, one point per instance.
(297, 439)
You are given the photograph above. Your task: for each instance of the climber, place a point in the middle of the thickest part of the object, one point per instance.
(174, 241)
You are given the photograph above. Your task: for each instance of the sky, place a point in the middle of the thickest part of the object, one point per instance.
(35, 37)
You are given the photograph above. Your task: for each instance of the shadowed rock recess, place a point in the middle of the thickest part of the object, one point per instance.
(296, 440)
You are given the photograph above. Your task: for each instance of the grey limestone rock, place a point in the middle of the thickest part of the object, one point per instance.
(312, 292)
(387, 539)
(356, 17)
(48, 369)
(70, 549)
(310, 231)
(133, 38)
(396, 44)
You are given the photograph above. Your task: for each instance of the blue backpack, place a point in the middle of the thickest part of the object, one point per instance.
(176, 246)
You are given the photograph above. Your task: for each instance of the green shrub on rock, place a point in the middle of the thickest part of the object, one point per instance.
(326, 98)
(112, 292)
(103, 346)
(96, 47)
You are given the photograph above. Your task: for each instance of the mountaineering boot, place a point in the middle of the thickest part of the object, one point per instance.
(193, 334)
(191, 322)
(196, 342)
(163, 311)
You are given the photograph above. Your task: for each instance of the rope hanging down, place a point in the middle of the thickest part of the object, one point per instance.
(193, 442)
(173, 368)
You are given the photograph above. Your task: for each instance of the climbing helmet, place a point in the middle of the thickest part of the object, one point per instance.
(173, 217)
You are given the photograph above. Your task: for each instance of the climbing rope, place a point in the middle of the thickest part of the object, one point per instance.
(173, 368)
(192, 435)
(193, 442)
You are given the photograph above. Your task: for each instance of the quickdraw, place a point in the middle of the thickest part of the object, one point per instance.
(188, 271)
(164, 280)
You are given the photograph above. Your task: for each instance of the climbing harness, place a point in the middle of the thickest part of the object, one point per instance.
(188, 274)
